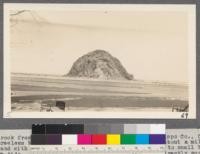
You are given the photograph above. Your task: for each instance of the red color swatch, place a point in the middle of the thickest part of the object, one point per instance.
(99, 139)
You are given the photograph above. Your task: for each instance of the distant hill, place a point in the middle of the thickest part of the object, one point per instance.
(99, 64)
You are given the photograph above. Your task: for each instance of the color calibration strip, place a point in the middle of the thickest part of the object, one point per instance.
(98, 149)
(77, 134)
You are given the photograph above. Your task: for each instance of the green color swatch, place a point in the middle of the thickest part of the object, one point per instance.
(128, 139)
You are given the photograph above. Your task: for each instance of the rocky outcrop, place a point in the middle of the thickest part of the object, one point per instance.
(99, 64)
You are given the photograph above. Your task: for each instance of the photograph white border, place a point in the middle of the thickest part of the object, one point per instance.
(189, 8)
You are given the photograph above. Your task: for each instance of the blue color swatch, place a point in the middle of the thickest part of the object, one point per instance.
(142, 139)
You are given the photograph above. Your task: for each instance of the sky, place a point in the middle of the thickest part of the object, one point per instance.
(150, 45)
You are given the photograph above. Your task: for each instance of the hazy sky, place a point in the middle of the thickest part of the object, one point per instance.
(150, 45)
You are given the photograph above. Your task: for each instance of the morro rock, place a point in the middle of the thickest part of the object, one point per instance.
(99, 64)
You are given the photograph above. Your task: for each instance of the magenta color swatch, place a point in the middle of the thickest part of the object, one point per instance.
(84, 139)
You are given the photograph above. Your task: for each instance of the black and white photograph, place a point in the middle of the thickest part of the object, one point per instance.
(99, 61)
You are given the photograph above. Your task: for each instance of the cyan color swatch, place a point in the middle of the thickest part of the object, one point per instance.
(142, 139)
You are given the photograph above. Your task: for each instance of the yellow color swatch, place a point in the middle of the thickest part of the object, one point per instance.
(113, 139)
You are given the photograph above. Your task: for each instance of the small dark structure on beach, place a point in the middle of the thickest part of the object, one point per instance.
(61, 105)
(180, 109)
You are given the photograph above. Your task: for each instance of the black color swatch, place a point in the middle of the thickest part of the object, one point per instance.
(64, 129)
(73, 129)
(38, 129)
(54, 128)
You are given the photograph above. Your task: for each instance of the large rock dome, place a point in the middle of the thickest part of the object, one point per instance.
(99, 64)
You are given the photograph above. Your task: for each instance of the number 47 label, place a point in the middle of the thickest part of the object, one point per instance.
(184, 115)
